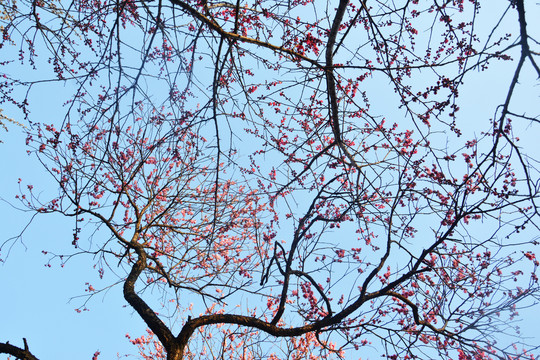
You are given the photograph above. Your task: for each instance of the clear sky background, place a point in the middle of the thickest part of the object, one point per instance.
(38, 302)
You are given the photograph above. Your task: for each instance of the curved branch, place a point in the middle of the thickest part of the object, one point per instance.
(330, 81)
(525, 49)
(299, 234)
(416, 314)
(145, 312)
(248, 321)
(232, 36)
(23, 354)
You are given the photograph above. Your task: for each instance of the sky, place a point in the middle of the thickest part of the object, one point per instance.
(39, 302)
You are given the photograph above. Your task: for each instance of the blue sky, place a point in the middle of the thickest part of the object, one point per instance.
(38, 302)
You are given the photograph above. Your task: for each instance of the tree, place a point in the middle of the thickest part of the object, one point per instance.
(4, 119)
(306, 155)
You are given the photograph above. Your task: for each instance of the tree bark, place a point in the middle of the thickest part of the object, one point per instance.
(23, 354)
